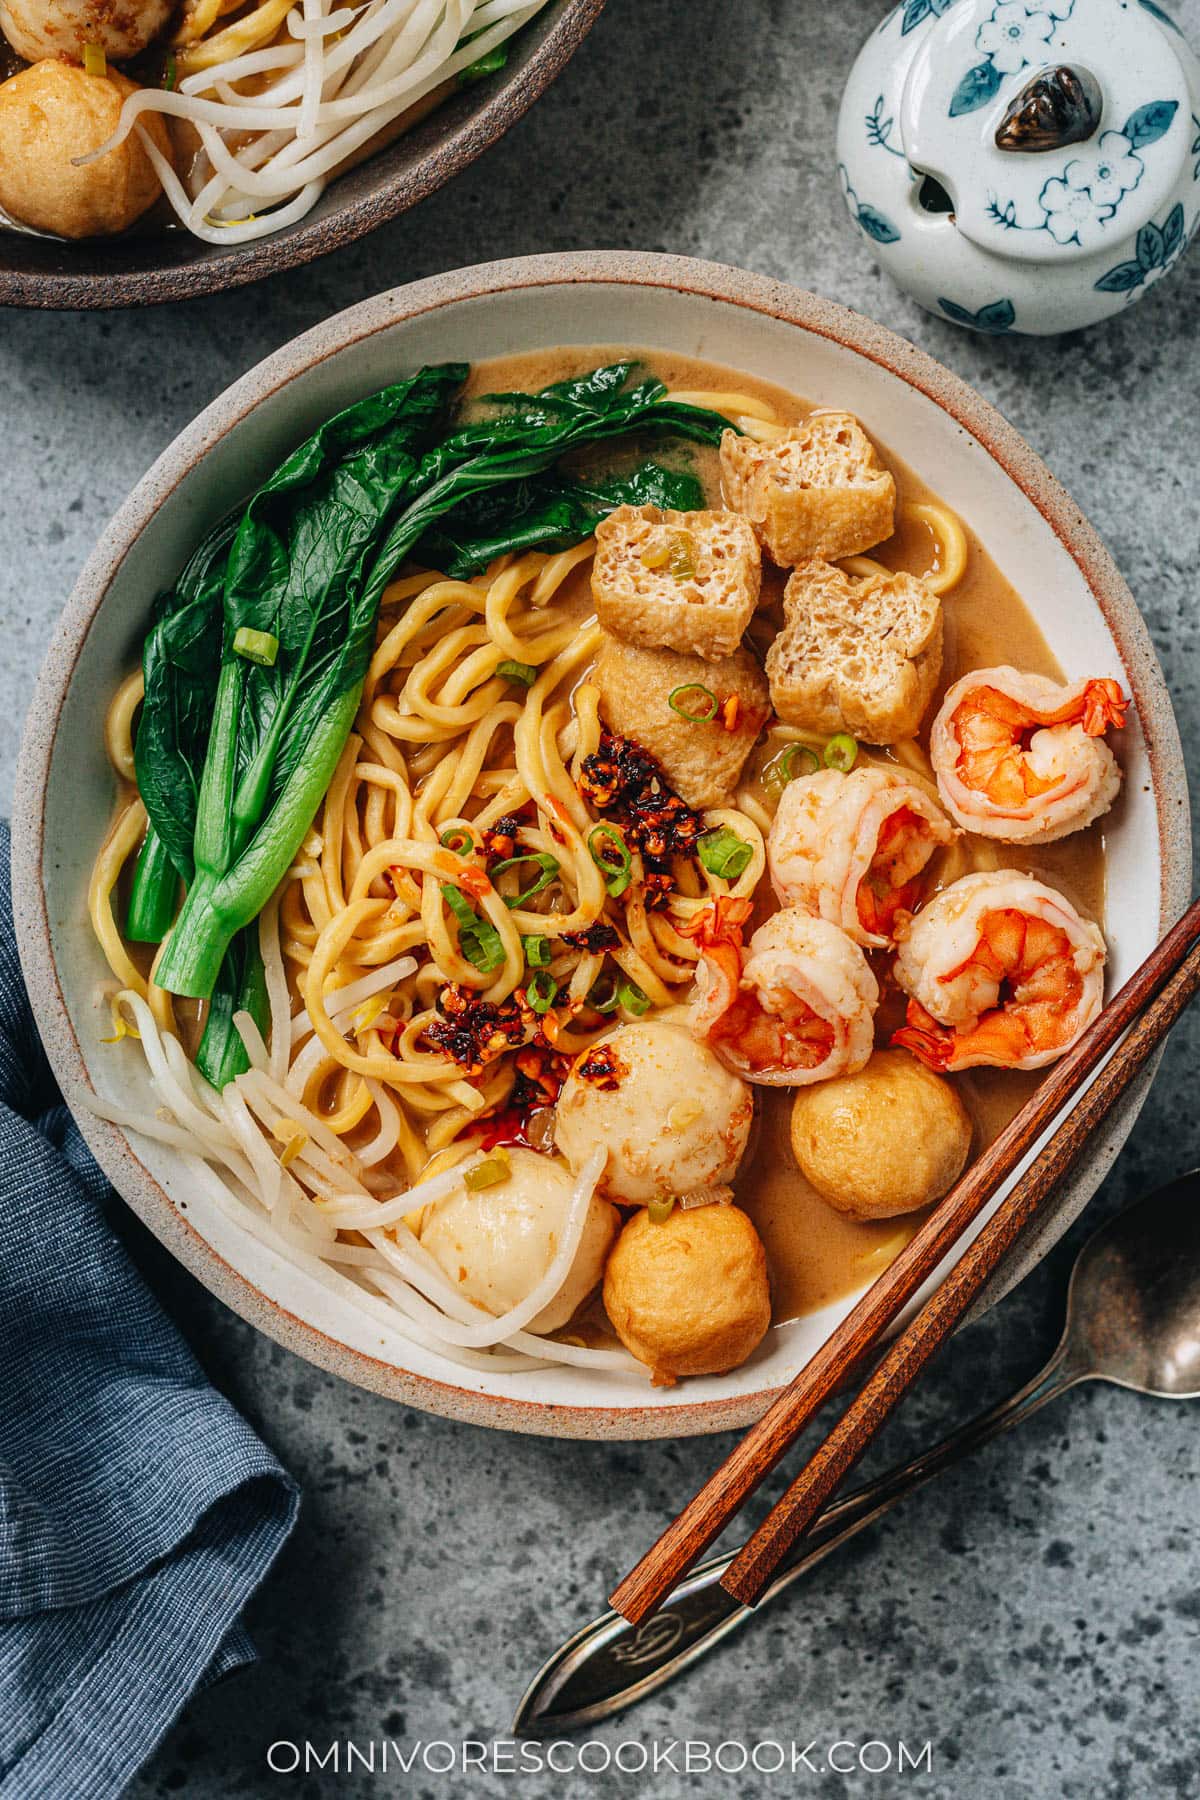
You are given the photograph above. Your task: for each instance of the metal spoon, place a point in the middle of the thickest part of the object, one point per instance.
(1133, 1319)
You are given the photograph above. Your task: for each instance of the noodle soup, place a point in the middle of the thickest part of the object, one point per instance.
(502, 917)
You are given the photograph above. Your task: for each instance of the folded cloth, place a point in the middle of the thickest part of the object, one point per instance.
(138, 1510)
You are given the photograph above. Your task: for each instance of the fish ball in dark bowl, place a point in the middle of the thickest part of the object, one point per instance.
(50, 114)
(889, 1139)
(120, 28)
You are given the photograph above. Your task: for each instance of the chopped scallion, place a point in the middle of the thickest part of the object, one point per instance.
(540, 990)
(632, 998)
(478, 939)
(602, 995)
(525, 673)
(458, 839)
(489, 1173)
(547, 865)
(537, 952)
(260, 647)
(841, 752)
(697, 711)
(796, 760)
(659, 1211)
(608, 852)
(724, 853)
(491, 64)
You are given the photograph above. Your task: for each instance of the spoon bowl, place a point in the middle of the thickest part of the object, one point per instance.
(1133, 1306)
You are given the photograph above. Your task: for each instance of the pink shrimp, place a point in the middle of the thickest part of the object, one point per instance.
(1021, 758)
(1000, 970)
(853, 848)
(796, 1005)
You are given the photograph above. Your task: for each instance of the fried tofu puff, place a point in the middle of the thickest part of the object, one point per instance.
(888, 1139)
(689, 1295)
(673, 1119)
(659, 699)
(49, 115)
(496, 1243)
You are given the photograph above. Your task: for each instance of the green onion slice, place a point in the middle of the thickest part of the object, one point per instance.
(491, 64)
(548, 866)
(458, 839)
(169, 74)
(841, 752)
(603, 995)
(256, 646)
(489, 1173)
(724, 853)
(94, 60)
(537, 952)
(661, 1210)
(478, 938)
(525, 673)
(540, 990)
(796, 760)
(694, 702)
(608, 852)
(632, 998)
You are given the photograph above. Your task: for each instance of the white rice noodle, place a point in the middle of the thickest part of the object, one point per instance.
(232, 1142)
(310, 105)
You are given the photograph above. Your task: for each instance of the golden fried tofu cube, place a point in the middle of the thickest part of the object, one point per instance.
(701, 758)
(819, 490)
(684, 581)
(862, 656)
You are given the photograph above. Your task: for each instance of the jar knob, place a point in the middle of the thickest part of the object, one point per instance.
(1058, 107)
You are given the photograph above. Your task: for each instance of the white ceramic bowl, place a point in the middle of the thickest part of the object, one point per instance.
(65, 788)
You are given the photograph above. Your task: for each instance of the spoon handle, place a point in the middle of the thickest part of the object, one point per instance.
(610, 1664)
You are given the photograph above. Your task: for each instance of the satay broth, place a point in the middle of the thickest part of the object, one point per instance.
(816, 1253)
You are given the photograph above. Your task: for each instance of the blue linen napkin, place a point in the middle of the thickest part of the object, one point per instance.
(138, 1510)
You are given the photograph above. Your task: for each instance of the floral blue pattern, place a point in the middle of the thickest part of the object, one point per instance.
(917, 11)
(879, 129)
(994, 319)
(869, 219)
(1013, 37)
(1196, 148)
(1080, 198)
(1158, 246)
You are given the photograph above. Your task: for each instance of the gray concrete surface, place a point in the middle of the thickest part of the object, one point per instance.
(1034, 1616)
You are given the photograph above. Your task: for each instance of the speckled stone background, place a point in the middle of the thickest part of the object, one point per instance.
(1034, 1616)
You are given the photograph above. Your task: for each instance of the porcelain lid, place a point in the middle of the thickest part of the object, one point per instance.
(971, 71)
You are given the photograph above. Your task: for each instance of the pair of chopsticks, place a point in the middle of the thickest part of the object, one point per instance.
(1141, 1015)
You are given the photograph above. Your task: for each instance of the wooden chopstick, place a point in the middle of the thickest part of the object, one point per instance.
(707, 1514)
(755, 1564)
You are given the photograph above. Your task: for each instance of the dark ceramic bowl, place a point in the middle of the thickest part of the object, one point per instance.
(144, 269)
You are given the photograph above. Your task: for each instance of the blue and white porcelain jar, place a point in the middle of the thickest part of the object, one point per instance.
(1024, 165)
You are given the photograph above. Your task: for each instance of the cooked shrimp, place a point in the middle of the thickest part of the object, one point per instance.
(796, 1005)
(1001, 970)
(853, 848)
(1021, 758)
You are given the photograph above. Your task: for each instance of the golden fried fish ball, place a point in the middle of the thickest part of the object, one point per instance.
(671, 1115)
(689, 1295)
(496, 1243)
(53, 112)
(888, 1139)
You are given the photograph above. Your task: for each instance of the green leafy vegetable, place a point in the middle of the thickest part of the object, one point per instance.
(547, 512)
(153, 892)
(491, 64)
(295, 571)
(241, 987)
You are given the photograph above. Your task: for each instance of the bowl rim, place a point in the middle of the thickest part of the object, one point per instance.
(445, 155)
(711, 281)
